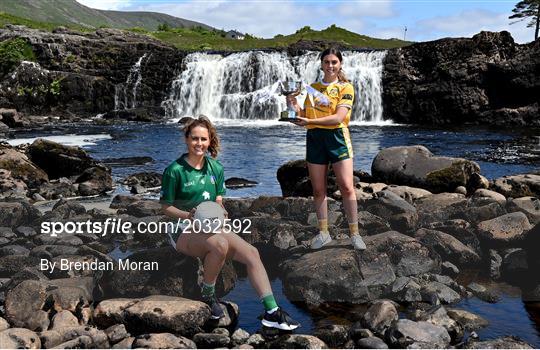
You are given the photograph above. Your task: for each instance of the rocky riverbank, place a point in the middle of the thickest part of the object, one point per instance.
(419, 242)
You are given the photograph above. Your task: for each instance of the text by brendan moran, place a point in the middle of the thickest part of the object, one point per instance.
(96, 265)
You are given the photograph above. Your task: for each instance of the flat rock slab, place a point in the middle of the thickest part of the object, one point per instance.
(162, 341)
(155, 313)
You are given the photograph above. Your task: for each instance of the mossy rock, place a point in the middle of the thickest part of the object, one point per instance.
(453, 176)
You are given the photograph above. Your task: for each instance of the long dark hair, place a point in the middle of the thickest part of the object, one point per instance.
(203, 121)
(333, 51)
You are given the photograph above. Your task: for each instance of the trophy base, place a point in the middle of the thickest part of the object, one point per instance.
(288, 116)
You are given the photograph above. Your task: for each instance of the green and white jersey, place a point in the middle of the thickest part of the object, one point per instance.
(186, 187)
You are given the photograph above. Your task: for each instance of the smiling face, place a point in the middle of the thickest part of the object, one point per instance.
(198, 141)
(330, 66)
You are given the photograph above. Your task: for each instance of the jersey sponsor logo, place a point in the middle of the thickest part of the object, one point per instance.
(212, 180)
(189, 183)
(203, 181)
(333, 92)
(343, 155)
(347, 97)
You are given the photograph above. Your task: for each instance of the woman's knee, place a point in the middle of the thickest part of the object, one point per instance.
(319, 191)
(252, 255)
(218, 245)
(347, 190)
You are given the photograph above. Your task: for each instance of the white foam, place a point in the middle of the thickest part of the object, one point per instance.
(67, 140)
(261, 123)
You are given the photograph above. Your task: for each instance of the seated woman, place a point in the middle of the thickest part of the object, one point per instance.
(194, 178)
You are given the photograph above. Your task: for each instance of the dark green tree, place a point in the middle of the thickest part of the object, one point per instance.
(164, 27)
(525, 9)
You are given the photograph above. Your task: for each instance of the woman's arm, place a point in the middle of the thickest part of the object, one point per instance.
(176, 213)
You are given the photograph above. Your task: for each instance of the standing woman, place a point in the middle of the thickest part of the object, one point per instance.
(328, 142)
(192, 179)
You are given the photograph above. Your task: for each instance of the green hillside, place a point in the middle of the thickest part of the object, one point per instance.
(191, 39)
(70, 12)
(200, 39)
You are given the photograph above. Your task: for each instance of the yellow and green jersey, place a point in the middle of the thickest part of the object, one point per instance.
(186, 187)
(339, 94)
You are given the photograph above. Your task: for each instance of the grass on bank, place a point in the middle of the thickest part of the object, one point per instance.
(6, 18)
(202, 39)
(198, 38)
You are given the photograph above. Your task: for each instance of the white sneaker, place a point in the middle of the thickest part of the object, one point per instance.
(358, 242)
(320, 240)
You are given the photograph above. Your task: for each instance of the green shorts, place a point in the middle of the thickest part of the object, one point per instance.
(324, 146)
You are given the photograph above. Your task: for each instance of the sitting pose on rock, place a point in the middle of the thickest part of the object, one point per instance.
(192, 179)
(328, 142)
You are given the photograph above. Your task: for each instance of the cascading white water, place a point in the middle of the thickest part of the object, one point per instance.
(125, 95)
(230, 87)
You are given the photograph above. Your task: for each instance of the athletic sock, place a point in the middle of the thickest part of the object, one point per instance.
(269, 303)
(208, 290)
(323, 225)
(353, 228)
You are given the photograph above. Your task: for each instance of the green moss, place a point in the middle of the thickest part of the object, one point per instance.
(12, 52)
(452, 176)
(54, 88)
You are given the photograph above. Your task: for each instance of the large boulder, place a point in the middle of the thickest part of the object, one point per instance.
(440, 207)
(401, 215)
(516, 186)
(379, 316)
(448, 247)
(530, 206)
(21, 167)
(340, 274)
(416, 166)
(19, 338)
(156, 313)
(95, 180)
(297, 341)
(177, 275)
(17, 213)
(505, 229)
(30, 302)
(58, 160)
(293, 178)
(411, 334)
(11, 188)
(484, 80)
(163, 341)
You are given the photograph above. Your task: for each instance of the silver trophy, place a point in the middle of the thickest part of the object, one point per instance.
(290, 87)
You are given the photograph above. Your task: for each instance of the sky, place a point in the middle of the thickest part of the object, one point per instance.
(415, 20)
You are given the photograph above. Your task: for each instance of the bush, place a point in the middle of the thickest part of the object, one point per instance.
(12, 52)
(164, 27)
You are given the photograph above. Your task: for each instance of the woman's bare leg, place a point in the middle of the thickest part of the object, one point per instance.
(245, 253)
(344, 177)
(212, 248)
(317, 175)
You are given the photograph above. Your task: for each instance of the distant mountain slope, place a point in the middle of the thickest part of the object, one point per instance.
(71, 12)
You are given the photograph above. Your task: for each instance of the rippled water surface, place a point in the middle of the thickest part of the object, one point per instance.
(255, 149)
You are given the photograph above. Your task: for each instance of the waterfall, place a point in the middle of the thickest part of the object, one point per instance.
(125, 94)
(229, 87)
